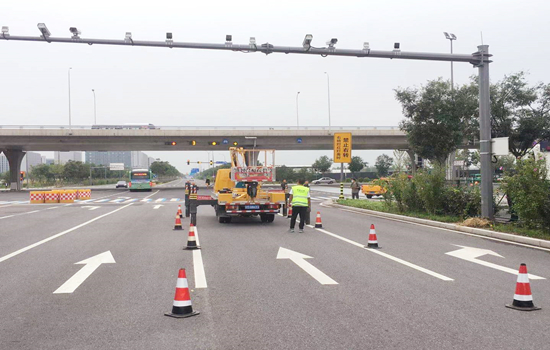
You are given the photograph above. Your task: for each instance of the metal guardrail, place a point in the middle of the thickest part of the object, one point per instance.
(121, 127)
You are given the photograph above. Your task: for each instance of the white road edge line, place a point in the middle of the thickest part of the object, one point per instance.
(34, 245)
(444, 229)
(200, 275)
(401, 261)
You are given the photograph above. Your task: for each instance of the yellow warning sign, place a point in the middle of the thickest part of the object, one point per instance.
(342, 147)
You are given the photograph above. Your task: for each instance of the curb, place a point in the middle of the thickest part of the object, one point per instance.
(477, 231)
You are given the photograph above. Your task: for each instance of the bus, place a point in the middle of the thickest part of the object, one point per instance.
(140, 180)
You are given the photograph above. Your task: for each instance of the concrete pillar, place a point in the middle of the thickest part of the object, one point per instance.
(15, 157)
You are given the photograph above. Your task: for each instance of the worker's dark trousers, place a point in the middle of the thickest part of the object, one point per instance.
(302, 211)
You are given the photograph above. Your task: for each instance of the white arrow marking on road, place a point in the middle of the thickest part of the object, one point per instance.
(471, 254)
(91, 264)
(91, 207)
(298, 259)
(158, 206)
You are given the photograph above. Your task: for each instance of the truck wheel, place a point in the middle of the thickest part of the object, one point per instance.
(263, 217)
(369, 196)
(270, 217)
(228, 219)
(221, 219)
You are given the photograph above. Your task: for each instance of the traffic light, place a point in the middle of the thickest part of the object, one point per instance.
(235, 143)
(199, 162)
(170, 143)
(211, 162)
(188, 161)
(213, 143)
(193, 143)
(22, 175)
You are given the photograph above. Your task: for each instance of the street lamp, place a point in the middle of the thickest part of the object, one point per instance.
(95, 116)
(69, 73)
(328, 87)
(451, 37)
(297, 116)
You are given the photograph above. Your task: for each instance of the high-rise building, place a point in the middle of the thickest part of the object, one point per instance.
(131, 159)
(64, 157)
(30, 160)
(4, 165)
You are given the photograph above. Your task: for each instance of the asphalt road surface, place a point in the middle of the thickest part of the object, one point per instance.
(409, 294)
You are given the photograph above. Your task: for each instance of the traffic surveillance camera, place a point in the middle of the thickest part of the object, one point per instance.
(307, 41)
(366, 46)
(5, 31)
(396, 46)
(168, 36)
(44, 30)
(75, 32)
(128, 37)
(229, 38)
(332, 42)
(252, 41)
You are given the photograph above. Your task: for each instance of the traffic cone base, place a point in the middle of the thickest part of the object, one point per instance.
(523, 300)
(182, 306)
(373, 241)
(318, 222)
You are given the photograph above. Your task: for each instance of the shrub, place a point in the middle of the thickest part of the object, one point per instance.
(430, 186)
(529, 192)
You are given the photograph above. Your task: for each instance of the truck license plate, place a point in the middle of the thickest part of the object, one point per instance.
(251, 207)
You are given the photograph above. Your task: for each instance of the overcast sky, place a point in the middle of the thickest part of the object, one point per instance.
(210, 88)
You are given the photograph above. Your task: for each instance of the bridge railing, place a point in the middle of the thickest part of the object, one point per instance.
(209, 127)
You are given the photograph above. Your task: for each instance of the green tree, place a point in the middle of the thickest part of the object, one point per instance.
(383, 164)
(285, 173)
(356, 164)
(520, 112)
(322, 164)
(161, 168)
(41, 172)
(74, 171)
(437, 118)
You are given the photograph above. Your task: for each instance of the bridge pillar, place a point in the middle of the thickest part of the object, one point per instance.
(15, 157)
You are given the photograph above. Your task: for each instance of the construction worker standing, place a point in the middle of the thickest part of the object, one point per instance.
(300, 201)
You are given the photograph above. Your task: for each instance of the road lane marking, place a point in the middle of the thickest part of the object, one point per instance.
(160, 200)
(375, 251)
(299, 259)
(90, 207)
(34, 245)
(102, 201)
(174, 200)
(471, 254)
(441, 228)
(90, 265)
(119, 200)
(132, 200)
(158, 206)
(200, 275)
(5, 217)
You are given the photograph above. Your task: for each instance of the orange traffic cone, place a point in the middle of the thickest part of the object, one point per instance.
(192, 240)
(179, 211)
(523, 300)
(177, 225)
(289, 212)
(318, 223)
(182, 300)
(373, 242)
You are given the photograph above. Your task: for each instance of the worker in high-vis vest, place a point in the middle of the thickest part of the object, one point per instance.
(301, 203)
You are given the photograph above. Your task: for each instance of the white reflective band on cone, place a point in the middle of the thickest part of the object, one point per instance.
(523, 278)
(182, 283)
(182, 302)
(523, 297)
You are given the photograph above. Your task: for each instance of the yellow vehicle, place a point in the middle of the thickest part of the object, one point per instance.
(238, 191)
(375, 188)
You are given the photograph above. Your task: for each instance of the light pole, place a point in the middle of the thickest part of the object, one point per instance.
(451, 37)
(70, 124)
(297, 118)
(328, 87)
(95, 116)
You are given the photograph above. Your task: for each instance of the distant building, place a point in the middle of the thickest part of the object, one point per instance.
(64, 157)
(4, 166)
(131, 159)
(30, 160)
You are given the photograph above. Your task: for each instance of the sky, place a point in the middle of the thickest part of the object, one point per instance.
(184, 87)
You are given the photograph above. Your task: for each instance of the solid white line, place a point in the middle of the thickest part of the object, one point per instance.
(443, 229)
(34, 245)
(5, 217)
(401, 261)
(200, 275)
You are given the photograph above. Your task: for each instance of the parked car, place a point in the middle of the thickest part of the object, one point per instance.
(121, 184)
(323, 180)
